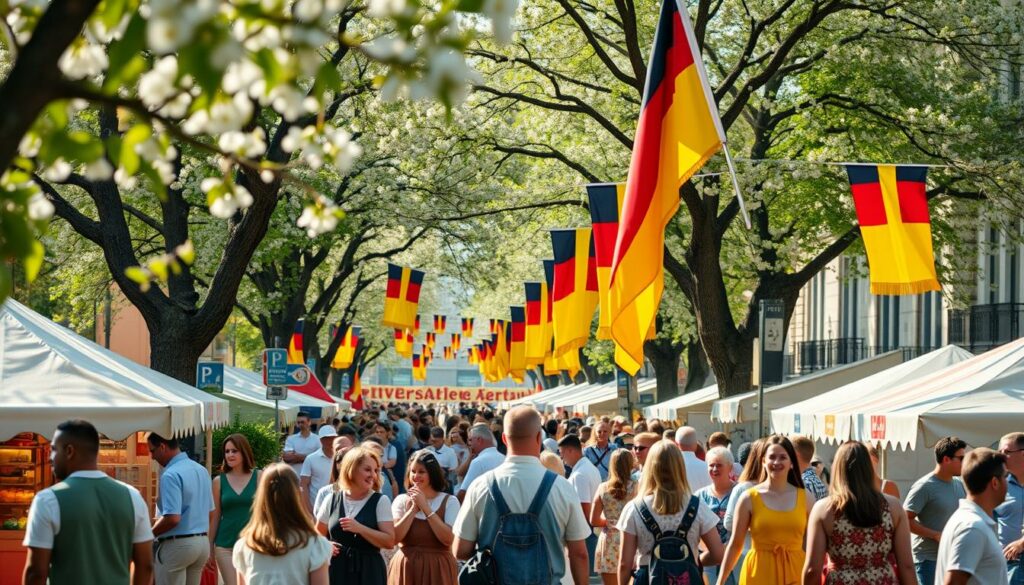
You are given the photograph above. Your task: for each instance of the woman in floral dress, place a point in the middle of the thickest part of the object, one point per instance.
(859, 527)
(609, 500)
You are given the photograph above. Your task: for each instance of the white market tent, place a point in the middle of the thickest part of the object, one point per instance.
(541, 399)
(605, 398)
(568, 399)
(818, 417)
(247, 386)
(978, 400)
(49, 374)
(678, 407)
(743, 407)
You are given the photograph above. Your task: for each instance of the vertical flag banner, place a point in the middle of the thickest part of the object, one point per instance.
(892, 209)
(295, 349)
(403, 342)
(575, 295)
(517, 348)
(536, 319)
(605, 205)
(347, 348)
(402, 296)
(415, 326)
(548, 301)
(467, 327)
(456, 342)
(677, 132)
(355, 389)
(493, 326)
(440, 323)
(431, 340)
(419, 372)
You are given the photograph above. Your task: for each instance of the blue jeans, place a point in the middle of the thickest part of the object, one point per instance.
(925, 572)
(592, 551)
(1016, 569)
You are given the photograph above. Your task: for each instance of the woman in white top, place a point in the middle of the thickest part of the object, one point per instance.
(279, 545)
(666, 493)
(424, 516)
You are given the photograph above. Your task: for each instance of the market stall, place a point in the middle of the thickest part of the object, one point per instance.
(604, 399)
(246, 388)
(49, 374)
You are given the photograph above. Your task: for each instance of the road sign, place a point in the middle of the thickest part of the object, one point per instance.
(646, 399)
(277, 393)
(275, 367)
(298, 374)
(210, 376)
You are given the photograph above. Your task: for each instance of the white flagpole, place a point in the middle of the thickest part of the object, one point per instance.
(736, 184)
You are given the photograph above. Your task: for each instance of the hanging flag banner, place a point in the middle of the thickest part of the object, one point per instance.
(456, 342)
(415, 326)
(892, 209)
(677, 132)
(467, 327)
(575, 295)
(536, 320)
(419, 367)
(443, 394)
(402, 296)
(440, 323)
(430, 339)
(546, 298)
(403, 342)
(517, 345)
(355, 391)
(605, 205)
(295, 345)
(347, 348)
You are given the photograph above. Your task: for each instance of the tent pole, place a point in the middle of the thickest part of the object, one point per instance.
(209, 449)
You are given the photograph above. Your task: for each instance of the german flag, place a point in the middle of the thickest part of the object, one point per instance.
(295, 345)
(605, 205)
(347, 348)
(548, 300)
(574, 295)
(430, 340)
(569, 362)
(402, 296)
(493, 326)
(440, 323)
(416, 326)
(467, 327)
(456, 341)
(536, 320)
(419, 368)
(355, 389)
(892, 209)
(403, 342)
(678, 131)
(473, 356)
(517, 347)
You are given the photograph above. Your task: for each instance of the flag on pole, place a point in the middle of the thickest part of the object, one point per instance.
(574, 296)
(347, 348)
(892, 209)
(402, 296)
(440, 323)
(548, 300)
(355, 389)
(467, 327)
(677, 132)
(605, 205)
(295, 345)
(517, 347)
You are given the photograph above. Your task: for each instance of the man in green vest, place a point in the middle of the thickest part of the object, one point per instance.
(88, 529)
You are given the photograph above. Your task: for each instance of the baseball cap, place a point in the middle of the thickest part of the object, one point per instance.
(326, 431)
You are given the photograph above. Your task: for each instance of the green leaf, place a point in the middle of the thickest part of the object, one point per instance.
(327, 80)
(129, 159)
(6, 282)
(34, 261)
(125, 55)
(194, 59)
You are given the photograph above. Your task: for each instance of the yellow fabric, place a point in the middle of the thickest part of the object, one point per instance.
(346, 352)
(776, 556)
(403, 346)
(574, 313)
(900, 255)
(689, 138)
(400, 313)
(604, 279)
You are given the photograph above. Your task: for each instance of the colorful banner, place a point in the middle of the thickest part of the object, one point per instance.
(347, 348)
(517, 345)
(467, 327)
(443, 394)
(574, 294)
(402, 296)
(440, 323)
(605, 206)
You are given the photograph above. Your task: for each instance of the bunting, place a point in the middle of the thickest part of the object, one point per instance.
(419, 367)
(402, 296)
(430, 340)
(456, 341)
(403, 342)
(677, 132)
(295, 344)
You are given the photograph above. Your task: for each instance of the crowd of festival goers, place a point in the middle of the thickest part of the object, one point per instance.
(405, 495)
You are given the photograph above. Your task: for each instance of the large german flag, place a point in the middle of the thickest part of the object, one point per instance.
(605, 205)
(517, 345)
(549, 286)
(677, 132)
(295, 345)
(402, 296)
(892, 209)
(347, 348)
(574, 296)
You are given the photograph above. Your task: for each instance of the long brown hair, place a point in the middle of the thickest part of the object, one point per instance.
(244, 449)
(435, 475)
(665, 476)
(278, 523)
(753, 470)
(853, 493)
(793, 477)
(620, 468)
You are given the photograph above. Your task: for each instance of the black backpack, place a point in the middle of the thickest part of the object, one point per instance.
(672, 560)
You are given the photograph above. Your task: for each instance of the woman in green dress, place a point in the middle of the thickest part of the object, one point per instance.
(233, 493)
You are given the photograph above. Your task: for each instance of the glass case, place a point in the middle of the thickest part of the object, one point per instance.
(24, 470)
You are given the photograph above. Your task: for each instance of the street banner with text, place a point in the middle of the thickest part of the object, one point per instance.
(442, 394)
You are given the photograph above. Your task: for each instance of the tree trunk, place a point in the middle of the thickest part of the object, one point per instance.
(697, 369)
(174, 349)
(664, 355)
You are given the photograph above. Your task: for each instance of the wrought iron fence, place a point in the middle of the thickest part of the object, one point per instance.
(826, 353)
(983, 327)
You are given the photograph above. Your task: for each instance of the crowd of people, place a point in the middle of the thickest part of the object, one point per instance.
(406, 495)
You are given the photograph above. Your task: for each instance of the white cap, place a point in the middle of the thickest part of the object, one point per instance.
(326, 431)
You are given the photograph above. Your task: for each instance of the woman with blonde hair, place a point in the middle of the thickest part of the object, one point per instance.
(424, 517)
(717, 495)
(280, 545)
(358, 521)
(859, 527)
(609, 501)
(664, 496)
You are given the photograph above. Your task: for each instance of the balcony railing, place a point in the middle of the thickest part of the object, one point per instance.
(826, 353)
(983, 327)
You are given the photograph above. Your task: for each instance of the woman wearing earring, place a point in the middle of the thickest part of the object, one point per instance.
(775, 512)
(233, 494)
(424, 516)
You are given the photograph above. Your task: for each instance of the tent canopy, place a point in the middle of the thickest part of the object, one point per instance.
(737, 409)
(696, 401)
(604, 399)
(570, 399)
(978, 400)
(248, 386)
(49, 374)
(547, 397)
(818, 417)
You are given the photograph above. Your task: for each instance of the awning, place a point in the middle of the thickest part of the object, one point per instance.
(820, 417)
(605, 398)
(674, 408)
(743, 407)
(248, 386)
(49, 374)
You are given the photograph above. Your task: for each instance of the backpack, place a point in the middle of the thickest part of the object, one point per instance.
(672, 560)
(518, 553)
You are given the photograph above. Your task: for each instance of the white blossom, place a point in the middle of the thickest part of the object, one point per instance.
(98, 170)
(307, 10)
(250, 145)
(39, 207)
(501, 13)
(158, 85)
(230, 197)
(385, 8)
(319, 219)
(83, 60)
(240, 76)
(58, 171)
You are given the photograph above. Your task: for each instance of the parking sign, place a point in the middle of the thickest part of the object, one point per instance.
(210, 376)
(275, 367)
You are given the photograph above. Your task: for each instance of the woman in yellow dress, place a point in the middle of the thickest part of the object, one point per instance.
(775, 511)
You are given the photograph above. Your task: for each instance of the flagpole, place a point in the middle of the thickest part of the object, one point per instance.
(736, 184)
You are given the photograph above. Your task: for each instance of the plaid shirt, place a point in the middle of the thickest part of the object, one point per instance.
(814, 485)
